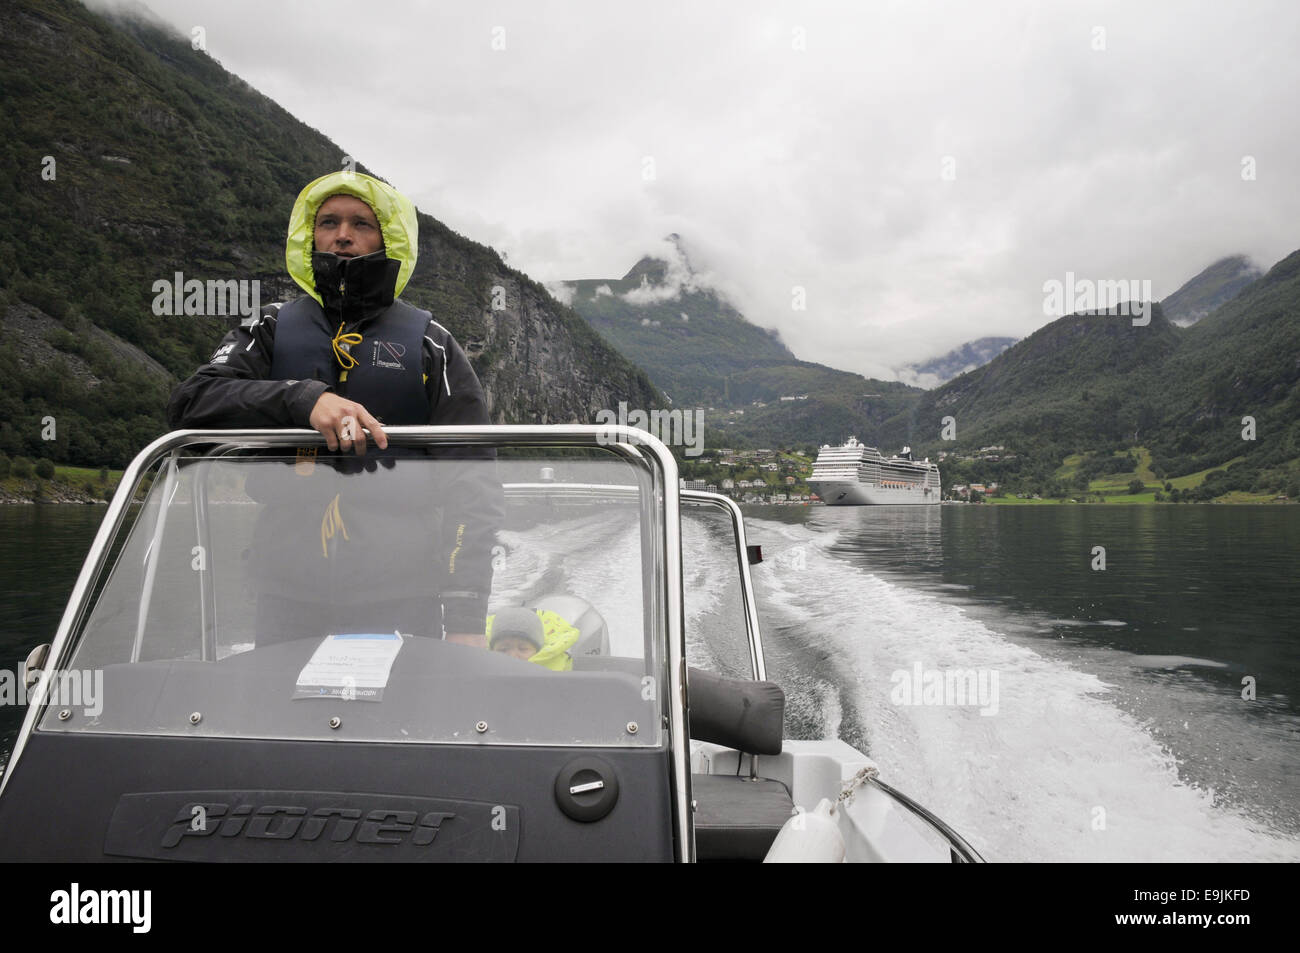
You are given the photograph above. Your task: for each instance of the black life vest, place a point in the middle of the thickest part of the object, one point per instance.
(320, 536)
(388, 379)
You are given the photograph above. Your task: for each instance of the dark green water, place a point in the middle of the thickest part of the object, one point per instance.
(41, 551)
(1208, 582)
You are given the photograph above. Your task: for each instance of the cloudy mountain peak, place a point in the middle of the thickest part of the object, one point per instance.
(1211, 289)
(959, 360)
(665, 262)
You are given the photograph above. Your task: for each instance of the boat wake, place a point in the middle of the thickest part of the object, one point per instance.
(584, 554)
(1054, 769)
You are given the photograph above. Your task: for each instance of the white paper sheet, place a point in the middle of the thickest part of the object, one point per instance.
(351, 667)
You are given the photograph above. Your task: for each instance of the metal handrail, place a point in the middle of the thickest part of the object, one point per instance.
(960, 851)
(757, 663)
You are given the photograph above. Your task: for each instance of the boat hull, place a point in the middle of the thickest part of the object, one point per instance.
(877, 824)
(847, 493)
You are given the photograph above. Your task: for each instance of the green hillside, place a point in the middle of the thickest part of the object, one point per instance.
(1081, 380)
(1243, 360)
(1209, 290)
(1091, 385)
(837, 405)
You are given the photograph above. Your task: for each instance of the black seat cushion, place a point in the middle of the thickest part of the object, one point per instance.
(736, 818)
(738, 713)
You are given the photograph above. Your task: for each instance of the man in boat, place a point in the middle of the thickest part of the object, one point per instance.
(347, 356)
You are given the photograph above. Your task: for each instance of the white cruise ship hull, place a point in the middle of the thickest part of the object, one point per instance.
(868, 494)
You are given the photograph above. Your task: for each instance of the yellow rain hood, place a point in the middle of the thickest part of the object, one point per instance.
(394, 210)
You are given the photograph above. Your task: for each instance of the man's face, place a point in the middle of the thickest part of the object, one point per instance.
(347, 226)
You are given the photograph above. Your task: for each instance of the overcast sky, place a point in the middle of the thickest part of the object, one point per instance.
(920, 169)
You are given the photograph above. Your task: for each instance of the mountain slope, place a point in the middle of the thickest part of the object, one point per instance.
(1077, 382)
(1094, 382)
(960, 360)
(1241, 361)
(1212, 288)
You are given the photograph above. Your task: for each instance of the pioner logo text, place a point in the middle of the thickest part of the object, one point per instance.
(309, 826)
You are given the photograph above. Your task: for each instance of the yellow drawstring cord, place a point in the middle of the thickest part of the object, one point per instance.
(346, 360)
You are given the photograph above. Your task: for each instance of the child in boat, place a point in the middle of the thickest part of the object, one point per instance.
(539, 636)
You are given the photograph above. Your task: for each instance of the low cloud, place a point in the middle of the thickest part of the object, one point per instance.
(678, 276)
(925, 381)
(561, 291)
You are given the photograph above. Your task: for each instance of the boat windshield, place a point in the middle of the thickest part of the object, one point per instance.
(271, 594)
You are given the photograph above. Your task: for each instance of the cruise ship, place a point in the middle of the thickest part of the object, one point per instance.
(857, 475)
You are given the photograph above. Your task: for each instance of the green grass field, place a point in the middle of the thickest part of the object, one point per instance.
(82, 474)
(1070, 466)
(66, 476)
(1192, 480)
(1241, 496)
(1126, 498)
(1114, 486)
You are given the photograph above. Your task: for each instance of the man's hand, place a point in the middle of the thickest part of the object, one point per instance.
(467, 638)
(340, 421)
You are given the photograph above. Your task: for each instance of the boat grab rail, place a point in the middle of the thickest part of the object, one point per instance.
(959, 850)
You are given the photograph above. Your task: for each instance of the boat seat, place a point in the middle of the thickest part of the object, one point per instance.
(738, 713)
(737, 819)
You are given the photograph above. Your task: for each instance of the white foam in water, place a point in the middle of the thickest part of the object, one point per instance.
(1175, 661)
(523, 569)
(700, 563)
(830, 701)
(1034, 780)
(597, 558)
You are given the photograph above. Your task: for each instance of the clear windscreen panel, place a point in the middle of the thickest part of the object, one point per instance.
(717, 637)
(273, 595)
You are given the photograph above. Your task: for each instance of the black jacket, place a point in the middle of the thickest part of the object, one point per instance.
(233, 390)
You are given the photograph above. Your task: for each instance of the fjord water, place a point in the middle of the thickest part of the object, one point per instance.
(41, 552)
(1120, 730)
